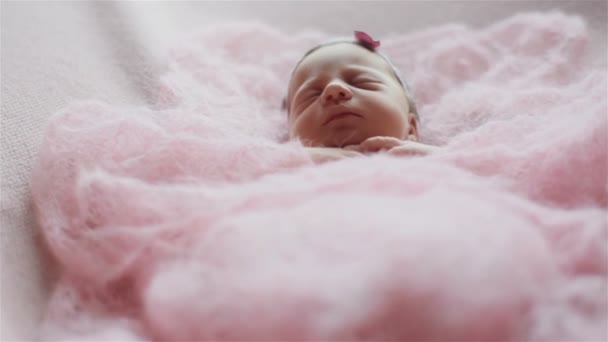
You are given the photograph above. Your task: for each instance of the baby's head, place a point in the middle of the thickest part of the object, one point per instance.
(344, 92)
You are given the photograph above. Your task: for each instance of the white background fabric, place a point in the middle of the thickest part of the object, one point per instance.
(58, 52)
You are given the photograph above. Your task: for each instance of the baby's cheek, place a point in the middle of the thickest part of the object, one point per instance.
(301, 128)
(391, 121)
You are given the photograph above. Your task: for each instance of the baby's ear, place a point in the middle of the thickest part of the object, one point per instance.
(412, 133)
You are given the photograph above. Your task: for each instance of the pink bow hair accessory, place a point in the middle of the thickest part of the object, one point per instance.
(367, 40)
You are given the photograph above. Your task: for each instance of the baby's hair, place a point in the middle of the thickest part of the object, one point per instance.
(370, 47)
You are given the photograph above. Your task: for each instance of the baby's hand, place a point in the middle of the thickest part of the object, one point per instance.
(393, 146)
(326, 154)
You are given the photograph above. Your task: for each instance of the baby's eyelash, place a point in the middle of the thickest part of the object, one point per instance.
(305, 99)
(365, 80)
(305, 96)
(312, 95)
(365, 83)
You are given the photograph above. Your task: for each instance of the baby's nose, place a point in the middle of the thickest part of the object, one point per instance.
(336, 92)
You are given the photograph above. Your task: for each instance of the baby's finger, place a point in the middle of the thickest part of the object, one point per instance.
(326, 157)
(352, 148)
(350, 154)
(375, 144)
(408, 150)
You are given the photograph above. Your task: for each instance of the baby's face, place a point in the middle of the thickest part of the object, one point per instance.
(343, 94)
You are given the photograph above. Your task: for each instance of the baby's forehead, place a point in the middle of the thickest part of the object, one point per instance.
(341, 55)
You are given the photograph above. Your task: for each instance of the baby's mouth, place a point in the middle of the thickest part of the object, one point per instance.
(339, 116)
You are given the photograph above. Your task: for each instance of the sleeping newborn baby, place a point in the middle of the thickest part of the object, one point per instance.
(346, 99)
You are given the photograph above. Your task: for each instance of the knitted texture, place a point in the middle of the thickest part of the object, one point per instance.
(198, 220)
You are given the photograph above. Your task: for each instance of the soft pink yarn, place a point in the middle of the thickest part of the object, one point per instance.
(196, 220)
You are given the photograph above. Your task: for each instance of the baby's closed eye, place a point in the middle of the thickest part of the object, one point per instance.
(311, 95)
(306, 97)
(365, 82)
(314, 92)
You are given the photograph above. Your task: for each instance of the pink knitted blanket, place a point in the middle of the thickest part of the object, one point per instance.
(197, 220)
